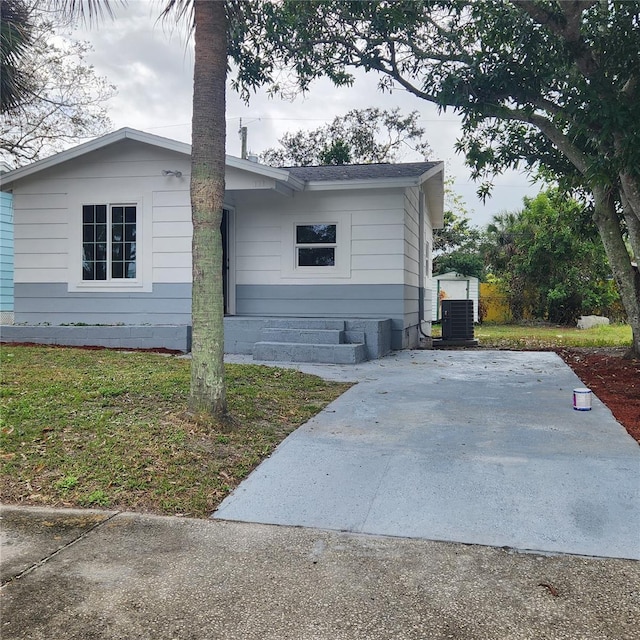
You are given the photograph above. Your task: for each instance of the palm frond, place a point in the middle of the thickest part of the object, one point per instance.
(15, 40)
(180, 10)
(88, 11)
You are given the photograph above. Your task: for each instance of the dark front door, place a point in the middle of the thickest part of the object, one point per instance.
(224, 231)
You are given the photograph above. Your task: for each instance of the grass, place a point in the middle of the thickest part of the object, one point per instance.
(545, 336)
(108, 429)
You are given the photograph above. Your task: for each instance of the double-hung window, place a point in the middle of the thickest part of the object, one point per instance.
(109, 242)
(315, 245)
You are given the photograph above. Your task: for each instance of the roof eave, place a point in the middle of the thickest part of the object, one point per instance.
(281, 175)
(363, 183)
(435, 170)
(433, 184)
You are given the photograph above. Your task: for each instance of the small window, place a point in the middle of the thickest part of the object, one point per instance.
(109, 242)
(316, 245)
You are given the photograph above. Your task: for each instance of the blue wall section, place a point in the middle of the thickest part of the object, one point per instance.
(6, 254)
(51, 303)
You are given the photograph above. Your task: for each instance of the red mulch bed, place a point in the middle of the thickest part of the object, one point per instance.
(613, 378)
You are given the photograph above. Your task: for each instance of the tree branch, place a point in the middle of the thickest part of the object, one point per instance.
(567, 27)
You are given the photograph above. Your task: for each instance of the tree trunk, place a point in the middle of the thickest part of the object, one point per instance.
(633, 226)
(630, 196)
(207, 197)
(627, 278)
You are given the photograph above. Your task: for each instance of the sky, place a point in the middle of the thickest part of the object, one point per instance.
(151, 64)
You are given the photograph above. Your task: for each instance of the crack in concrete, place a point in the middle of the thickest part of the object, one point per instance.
(46, 559)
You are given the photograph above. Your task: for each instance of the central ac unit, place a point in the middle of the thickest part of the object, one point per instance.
(457, 319)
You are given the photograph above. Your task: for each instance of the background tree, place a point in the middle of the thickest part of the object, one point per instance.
(550, 260)
(335, 153)
(457, 246)
(361, 136)
(60, 100)
(547, 84)
(500, 248)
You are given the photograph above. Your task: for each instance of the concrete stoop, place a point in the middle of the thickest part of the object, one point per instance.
(312, 340)
(334, 340)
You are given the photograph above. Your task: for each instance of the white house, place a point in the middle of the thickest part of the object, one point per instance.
(103, 251)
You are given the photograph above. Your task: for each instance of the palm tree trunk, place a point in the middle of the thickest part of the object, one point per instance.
(207, 197)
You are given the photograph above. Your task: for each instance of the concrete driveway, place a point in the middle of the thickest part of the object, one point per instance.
(480, 447)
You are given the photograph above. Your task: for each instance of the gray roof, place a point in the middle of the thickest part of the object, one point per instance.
(335, 173)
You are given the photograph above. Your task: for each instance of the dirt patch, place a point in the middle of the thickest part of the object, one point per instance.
(89, 347)
(613, 378)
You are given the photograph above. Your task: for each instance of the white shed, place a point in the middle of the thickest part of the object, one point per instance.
(454, 286)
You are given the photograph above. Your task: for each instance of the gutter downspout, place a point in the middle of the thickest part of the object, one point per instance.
(421, 264)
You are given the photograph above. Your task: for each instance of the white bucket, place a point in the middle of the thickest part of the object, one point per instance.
(582, 399)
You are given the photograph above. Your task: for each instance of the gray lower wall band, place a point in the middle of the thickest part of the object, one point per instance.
(170, 304)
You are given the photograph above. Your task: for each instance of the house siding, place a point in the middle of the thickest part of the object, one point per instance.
(6, 259)
(374, 222)
(429, 282)
(48, 209)
(413, 321)
(172, 234)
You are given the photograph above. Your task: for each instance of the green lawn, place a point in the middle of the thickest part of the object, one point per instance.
(108, 428)
(544, 336)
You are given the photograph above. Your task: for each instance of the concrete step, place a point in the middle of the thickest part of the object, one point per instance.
(321, 353)
(304, 323)
(355, 337)
(305, 336)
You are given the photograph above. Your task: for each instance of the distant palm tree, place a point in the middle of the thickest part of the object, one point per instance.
(501, 250)
(502, 231)
(209, 22)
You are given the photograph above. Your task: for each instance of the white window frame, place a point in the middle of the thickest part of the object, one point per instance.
(342, 267)
(144, 244)
(109, 241)
(315, 245)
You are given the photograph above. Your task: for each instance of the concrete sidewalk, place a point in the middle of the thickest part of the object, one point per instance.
(480, 447)
(79, 575)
